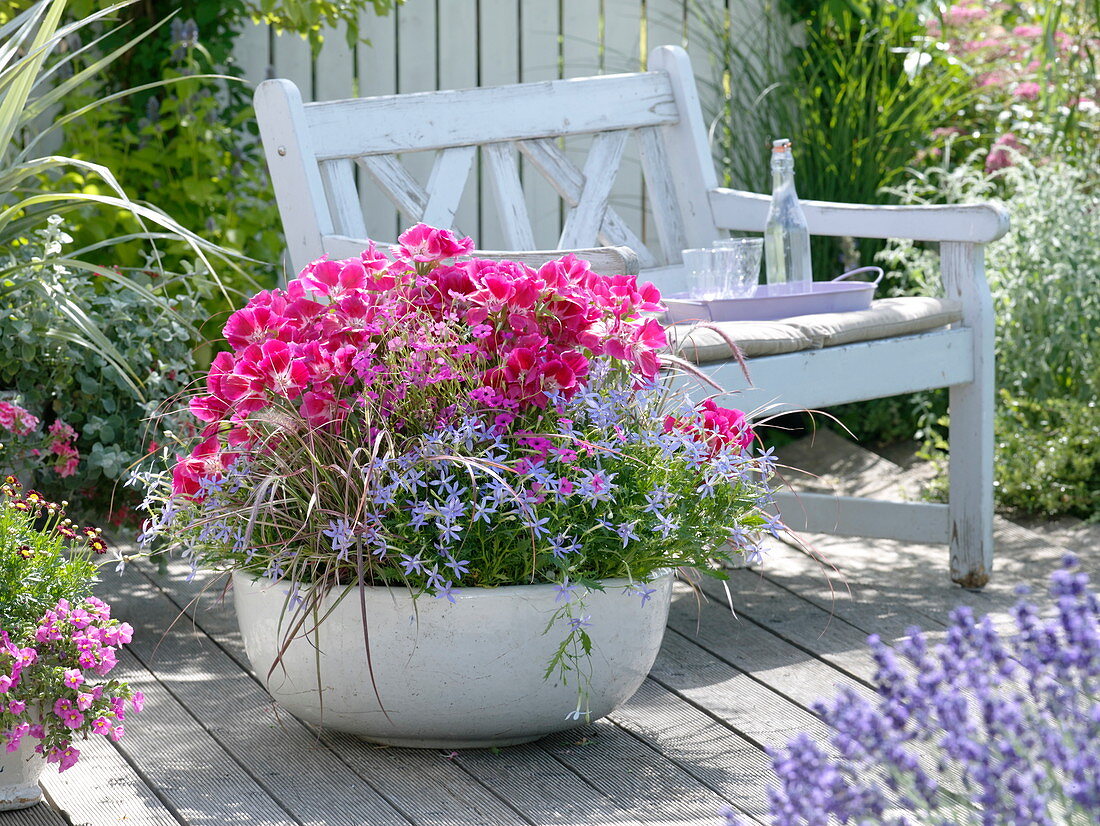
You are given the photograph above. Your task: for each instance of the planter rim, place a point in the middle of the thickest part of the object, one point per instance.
(461, 592)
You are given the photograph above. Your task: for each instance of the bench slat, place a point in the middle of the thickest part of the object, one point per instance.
(427, 120)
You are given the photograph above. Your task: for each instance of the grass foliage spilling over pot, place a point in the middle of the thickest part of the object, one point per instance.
(437, 423)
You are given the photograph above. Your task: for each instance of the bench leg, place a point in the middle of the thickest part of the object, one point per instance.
(970, 466)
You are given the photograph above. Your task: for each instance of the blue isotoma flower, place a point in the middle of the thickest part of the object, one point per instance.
(564, 591)
(639, 589)
(561, 546)
(1012, 720)
(339, 531)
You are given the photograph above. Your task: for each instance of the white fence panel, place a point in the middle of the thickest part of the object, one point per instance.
(426, 45)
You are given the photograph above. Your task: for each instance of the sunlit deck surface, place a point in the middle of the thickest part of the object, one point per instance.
(211, 749)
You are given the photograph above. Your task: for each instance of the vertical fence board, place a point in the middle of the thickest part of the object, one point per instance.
(376, 74)
(458, 69)
(454, 44)
(664, 20)
(416, 68)
(580, 31)
(251, 52)
(539, 54)
(621, 44)
(498, 63)
(334, 68)
(664, 25)
(291, 55)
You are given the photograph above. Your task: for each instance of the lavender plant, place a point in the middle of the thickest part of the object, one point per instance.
(987, 728)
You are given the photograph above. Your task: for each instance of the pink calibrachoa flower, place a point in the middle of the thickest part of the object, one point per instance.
(45, 697)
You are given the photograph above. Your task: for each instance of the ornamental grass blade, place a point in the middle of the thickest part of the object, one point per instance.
(20, 78)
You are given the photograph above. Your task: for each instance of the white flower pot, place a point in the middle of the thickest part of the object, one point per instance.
(464, 675)
(19, 773)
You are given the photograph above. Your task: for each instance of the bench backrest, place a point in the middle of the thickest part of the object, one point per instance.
(313, 150)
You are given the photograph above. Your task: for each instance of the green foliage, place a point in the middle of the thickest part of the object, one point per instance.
(33, 189)
(60, 379)
(190, 148)
(1048, 456)
(1044, 275)
(854, 88)
(38, 564)
(306, 17)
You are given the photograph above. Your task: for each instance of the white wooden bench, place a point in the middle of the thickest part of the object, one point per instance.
(313, 150)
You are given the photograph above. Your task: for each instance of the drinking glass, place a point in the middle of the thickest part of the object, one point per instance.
(746, 267)
(729, 269)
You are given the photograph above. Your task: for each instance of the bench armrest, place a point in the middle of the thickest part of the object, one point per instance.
(971, 223)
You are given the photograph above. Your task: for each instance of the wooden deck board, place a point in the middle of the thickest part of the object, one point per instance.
(40, 815)
(209, 748)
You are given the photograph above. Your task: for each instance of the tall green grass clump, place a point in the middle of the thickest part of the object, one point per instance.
(851, 83)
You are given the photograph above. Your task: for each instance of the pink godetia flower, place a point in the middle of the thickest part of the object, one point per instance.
(1003, 152)
(1028, 31)
(716, 426)
(424, 244)
(207, 461)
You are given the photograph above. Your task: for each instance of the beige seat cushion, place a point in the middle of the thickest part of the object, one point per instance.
(706, 342)
(886, 318)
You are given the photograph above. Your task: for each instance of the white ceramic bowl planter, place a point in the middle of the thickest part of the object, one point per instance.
(19, 774)
(466, 675)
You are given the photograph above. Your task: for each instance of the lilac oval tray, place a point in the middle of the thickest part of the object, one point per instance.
(769, 302)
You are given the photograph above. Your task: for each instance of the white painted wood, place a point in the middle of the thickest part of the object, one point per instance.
(498, 65)
(511, 207)
(376, 74)
(446, 185)
(250, 52)
(552, 162)
(458, 69)
(435, 120)
(686, 148)
(338, 178)
(580, 44)
(394, 180)
(621, 44)
(977, 223)
(292, 55)
(582, 224)
(664, 25)
(539, 52)
(815, 379)
(417, 71)
(970, 495)
(849, 516)
(297, 182)
(334, 67)
(661, 195)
